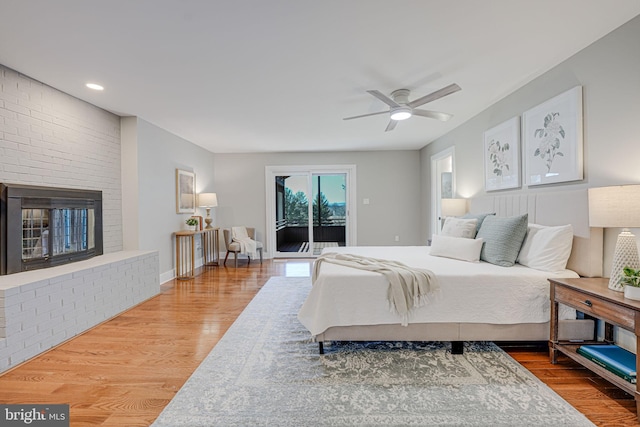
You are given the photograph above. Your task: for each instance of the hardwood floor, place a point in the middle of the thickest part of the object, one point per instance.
(124, 371)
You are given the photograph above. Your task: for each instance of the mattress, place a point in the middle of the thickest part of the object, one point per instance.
(470, 292)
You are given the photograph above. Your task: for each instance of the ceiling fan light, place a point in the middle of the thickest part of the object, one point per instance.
(401, 113)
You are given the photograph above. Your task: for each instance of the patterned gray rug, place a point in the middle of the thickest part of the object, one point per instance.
(266, 372)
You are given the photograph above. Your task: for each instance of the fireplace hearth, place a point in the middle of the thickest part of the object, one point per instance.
(43, 227)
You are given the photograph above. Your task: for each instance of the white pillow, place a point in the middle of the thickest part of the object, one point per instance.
(459, 227)
(546, 248)
(456, 247)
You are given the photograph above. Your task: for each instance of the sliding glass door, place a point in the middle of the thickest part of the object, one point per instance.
(292, 225)
(309, 211)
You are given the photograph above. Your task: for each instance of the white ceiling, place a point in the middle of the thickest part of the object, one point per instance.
(279, 75)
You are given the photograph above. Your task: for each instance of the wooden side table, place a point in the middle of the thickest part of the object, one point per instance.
(186, 249)
(593, 297)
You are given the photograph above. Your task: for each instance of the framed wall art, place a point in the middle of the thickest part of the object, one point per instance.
(185, 192)
(552, 133)
(502, 156)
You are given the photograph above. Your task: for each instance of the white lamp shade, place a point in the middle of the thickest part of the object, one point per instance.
(453, 207)
(207, 200)
(618, 207)
(615, 206)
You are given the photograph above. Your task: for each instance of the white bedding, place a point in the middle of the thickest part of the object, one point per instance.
(471, 292)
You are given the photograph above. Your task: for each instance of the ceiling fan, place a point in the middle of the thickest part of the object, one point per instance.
(402, 108)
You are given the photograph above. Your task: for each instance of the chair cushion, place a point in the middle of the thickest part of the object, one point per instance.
(235, 246)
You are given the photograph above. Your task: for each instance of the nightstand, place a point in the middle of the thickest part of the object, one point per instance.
(593, 297)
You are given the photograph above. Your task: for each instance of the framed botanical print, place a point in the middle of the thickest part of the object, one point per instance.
(185, 192)
(552, 134)
(502, 156)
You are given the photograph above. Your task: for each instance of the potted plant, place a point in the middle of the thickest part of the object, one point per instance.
(631, 283)
(192, 222)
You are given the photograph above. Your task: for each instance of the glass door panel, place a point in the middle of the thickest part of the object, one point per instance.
(329, 211)
(292, 215)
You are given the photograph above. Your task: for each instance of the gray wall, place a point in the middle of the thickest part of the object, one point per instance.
(150, 203)
(609, 71)
(389, 179)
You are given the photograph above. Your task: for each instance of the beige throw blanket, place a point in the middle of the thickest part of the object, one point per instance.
(247, 244)
(408, 287)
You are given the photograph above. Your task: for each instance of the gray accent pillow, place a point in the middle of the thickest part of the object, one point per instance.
(503, 239)
(479, 217)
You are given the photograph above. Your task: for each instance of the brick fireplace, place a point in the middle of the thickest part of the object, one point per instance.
(43, 227)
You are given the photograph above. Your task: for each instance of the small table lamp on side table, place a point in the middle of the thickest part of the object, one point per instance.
(208, 201)
(619, 207)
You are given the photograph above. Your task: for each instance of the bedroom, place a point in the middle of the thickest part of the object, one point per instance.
(608, 70)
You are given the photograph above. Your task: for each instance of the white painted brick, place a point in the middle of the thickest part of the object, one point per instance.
(17, 340)
(11, 328)
(7, 113)
(86, 138)
(31, 287)
(72, 283)
(20, 316)
(33, 303)
(9, 147)
(64, 311)
(48, 306)
(8, 128)
(19, 295)
(88, 276)
(54, 324)
(36, 338)
(49, 289)
(24, 354)
(52, 340)
(14, 137)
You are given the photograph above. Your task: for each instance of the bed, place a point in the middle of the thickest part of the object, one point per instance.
(478, 301)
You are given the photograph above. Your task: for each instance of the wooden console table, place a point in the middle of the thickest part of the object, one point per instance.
(593, 297)
(186, 249)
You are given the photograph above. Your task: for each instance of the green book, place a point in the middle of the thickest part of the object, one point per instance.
(613, 358)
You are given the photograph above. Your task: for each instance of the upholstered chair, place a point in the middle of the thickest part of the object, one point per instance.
(234, 247)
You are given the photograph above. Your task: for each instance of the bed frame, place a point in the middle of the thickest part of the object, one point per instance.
(545, 208)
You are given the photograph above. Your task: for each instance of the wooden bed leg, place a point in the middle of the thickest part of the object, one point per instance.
(321, 347)
(457, 347)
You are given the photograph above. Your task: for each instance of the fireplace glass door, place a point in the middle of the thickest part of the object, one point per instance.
(53, 232)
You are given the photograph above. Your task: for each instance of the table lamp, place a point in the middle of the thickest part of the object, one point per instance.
(453, 207)
(617, 207)
(208, 201)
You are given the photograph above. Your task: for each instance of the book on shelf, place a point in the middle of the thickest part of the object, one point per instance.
(613, 358)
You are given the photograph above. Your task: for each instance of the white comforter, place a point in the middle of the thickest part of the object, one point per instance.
(470, 292)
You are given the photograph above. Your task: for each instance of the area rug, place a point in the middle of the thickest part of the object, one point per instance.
(265, 371)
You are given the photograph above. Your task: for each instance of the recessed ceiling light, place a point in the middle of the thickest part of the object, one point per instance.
(94, 86)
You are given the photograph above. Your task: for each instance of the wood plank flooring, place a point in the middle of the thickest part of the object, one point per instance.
(124, 371)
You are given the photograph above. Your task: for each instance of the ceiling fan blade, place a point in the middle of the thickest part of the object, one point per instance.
(443, 117)
(366, 115)
(435, 95)
(384, 98)
(391, 126)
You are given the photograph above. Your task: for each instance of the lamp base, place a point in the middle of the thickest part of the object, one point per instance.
(208, 219)
(626, 255)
